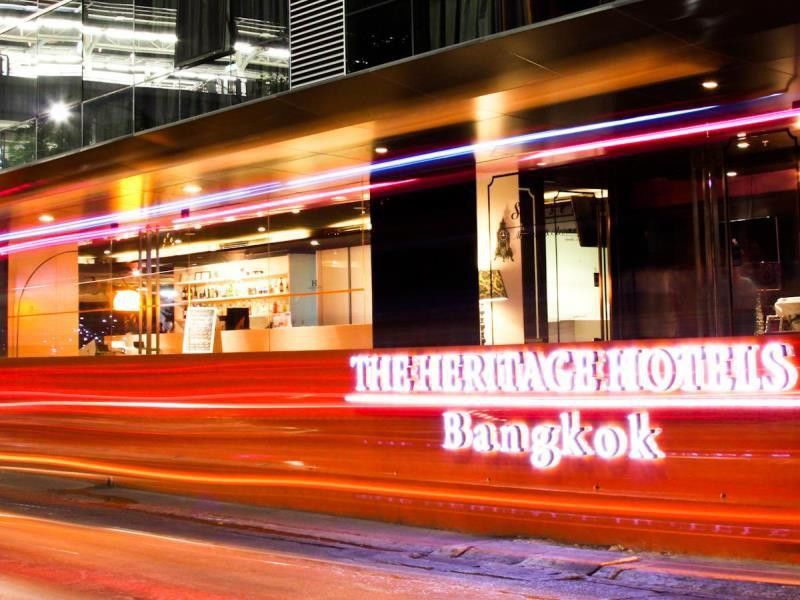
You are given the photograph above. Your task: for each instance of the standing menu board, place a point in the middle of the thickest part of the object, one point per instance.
(199, 329)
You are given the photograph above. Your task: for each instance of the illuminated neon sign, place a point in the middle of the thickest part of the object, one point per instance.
(694, 368)
(547, 443)
(681, 375)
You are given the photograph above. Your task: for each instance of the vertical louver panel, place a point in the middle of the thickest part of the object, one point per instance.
(316, 29)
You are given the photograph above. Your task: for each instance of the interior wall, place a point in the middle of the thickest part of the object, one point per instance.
(43, 302)
(498, 209)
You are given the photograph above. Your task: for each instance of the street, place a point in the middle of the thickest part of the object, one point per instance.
(69, 539)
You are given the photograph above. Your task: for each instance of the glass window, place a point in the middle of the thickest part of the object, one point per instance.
(295, 278)
(378, 34)
(108, 47)
(154, 38)
(58, 130)
(108, 117)
(156, 102)
(19, 144)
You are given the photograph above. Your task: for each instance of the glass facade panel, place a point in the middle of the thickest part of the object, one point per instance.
(19, 144)
(76, 69)
(294, 279)
(108, 117)
(108, 47)
(82, 51)
(379, 34)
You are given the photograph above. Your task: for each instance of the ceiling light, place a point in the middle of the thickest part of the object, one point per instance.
(198, 226)
(229, 219)
(178, 241)
(743, 145)
(127, 301)
(59, 112)
(46, 218)
(381, 150)
(295, 211)
(192, 188)
(710, 84)
(262, 229)
(106, 252)
(314, 243)
(741, 135)
(731, 173)
(136, 273)
(339, 198)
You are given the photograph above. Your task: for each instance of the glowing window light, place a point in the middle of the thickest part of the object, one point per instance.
(127, 301)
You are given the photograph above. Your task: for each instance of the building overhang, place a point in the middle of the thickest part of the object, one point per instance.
(620, 58)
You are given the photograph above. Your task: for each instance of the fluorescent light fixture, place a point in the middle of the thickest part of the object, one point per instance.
(710, 84)
(731, 173)
(46, 218)
(381, 150)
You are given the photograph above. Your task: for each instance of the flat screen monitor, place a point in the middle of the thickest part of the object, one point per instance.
(237, 318)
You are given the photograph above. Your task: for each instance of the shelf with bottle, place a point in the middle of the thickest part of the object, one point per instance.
(203, 300)
(235, 291)
(282, 279)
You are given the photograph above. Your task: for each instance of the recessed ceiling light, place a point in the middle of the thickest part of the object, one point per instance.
(381, 150)
(198, 226)
(339, 198)
(262, 229)
(743, 145)
(731, 173)
(741, 135)
(314, 243)
(192, 188)
(47, 218)
(710, 84)
(106, 252)
(295, 211)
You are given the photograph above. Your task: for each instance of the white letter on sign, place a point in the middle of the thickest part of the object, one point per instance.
(572, 442)
(457, 430)
(643, 438)
(544, 446)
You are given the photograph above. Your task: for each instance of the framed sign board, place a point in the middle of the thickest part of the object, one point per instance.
(199, 330)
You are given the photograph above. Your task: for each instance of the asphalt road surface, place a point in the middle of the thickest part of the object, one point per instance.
(62, 539)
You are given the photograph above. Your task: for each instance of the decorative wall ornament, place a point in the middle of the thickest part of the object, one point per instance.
(503, 250)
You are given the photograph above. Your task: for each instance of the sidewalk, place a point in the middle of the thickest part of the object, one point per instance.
(520, 567)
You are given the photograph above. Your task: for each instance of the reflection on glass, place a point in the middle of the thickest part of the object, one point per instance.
(18, 144)
(108, 46)
(107, 117)
(58, 130)
(377, 35)
(154, 38)
(59, 57)
(272, 280)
